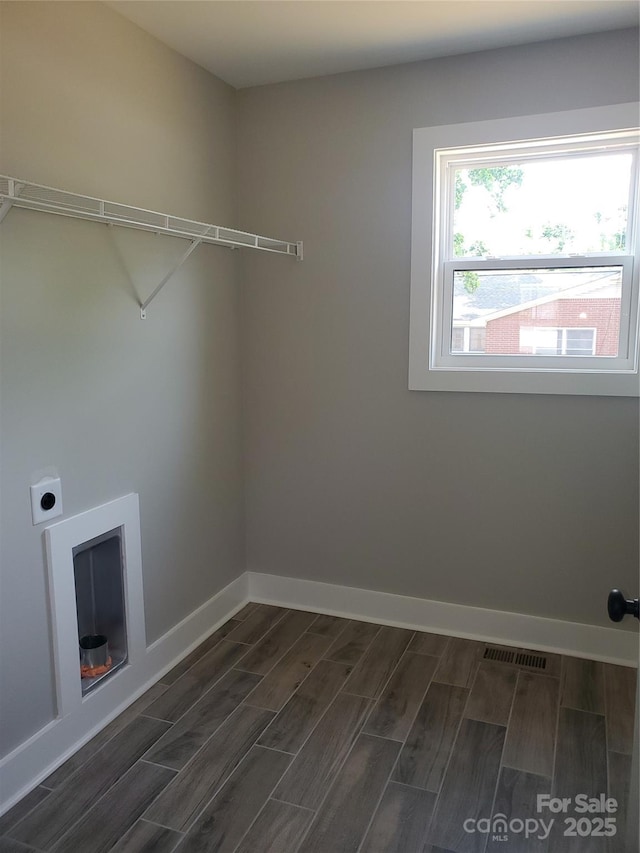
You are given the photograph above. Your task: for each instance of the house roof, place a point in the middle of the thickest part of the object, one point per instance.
(510, 288)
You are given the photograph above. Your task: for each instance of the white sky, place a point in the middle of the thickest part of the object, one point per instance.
(567, 191)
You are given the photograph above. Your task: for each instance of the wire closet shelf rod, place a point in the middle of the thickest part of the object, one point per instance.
(24, 194)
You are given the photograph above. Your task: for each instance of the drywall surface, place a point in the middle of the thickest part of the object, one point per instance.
(514, 502)
(91, 103)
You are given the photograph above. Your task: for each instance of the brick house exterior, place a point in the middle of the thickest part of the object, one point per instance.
(603, 314)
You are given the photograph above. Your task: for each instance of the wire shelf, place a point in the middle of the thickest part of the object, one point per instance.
(18, 193)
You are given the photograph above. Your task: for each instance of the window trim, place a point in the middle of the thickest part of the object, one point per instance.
(538, 378)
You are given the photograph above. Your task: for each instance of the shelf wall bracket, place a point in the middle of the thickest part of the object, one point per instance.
(123, 263)
(15, 192)
(5, 207)
(144, 305)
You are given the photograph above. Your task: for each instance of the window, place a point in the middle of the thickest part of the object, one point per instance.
(545, 340)
(468, 339)
(524, 255)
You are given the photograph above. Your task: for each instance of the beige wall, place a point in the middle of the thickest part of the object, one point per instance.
(91, 103)
(514, 502)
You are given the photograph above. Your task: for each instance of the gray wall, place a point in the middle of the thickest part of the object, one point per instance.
(91, 103)
(514, 502)
(497, 501)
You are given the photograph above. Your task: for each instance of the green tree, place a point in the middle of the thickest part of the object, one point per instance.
(470, 279)
(562, 233)
(497, 181)
(612, 240)
(616, 242)
(460, 189)
(478, 248)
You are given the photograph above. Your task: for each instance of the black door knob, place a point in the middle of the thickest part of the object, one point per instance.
(619, 606)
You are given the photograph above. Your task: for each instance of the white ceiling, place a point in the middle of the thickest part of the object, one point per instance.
(253, 42)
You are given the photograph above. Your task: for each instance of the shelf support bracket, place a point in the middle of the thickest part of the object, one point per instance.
(5, 207)
(122, 262)
(144, 305)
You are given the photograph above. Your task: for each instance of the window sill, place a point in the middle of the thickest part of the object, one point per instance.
(526, 382)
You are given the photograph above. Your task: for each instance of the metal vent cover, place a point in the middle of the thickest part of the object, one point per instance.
(530, 660)
(515, 656)
(499, 655)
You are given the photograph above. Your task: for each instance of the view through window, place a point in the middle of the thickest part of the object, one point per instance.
(574, 205)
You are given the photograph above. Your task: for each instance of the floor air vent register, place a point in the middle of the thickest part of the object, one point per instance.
(520, 658)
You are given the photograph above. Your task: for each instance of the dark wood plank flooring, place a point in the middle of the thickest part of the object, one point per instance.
(289, 732)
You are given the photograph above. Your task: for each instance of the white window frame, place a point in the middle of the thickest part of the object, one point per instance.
(431, 365)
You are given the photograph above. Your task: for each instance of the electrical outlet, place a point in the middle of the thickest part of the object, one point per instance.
(46, 499)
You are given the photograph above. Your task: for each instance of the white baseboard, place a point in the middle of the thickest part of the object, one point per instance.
(36, 758)
(610, 645)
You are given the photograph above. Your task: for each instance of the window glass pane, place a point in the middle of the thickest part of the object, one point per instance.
(457, 339)
(540, 341)
(572, 311)
(568, 205)
(476, 339)
(579, 342)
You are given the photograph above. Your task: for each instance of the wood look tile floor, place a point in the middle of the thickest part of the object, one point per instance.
(288, 732)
